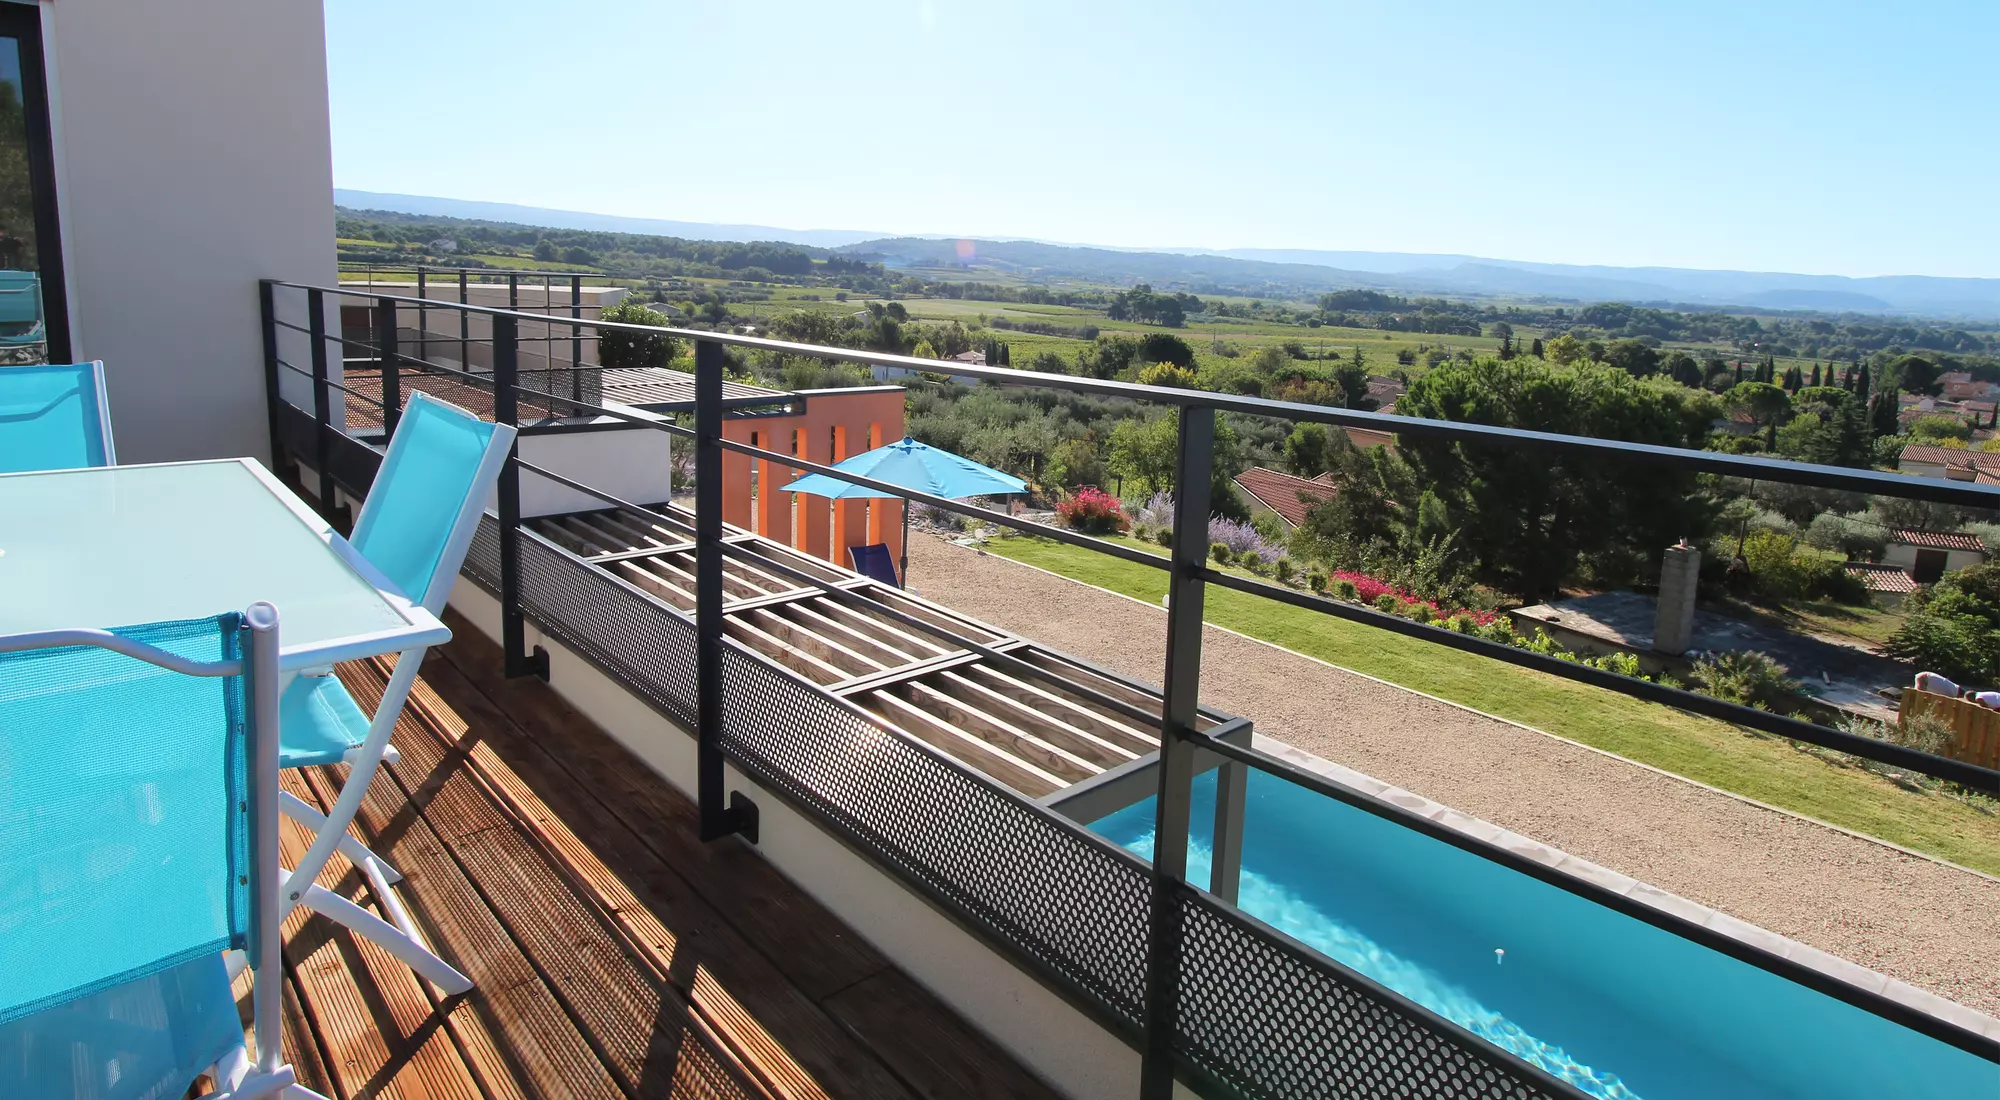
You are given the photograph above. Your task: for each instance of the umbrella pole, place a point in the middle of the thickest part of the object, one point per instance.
(906, 542)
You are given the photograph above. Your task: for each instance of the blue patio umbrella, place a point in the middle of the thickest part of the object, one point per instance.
(912, 465)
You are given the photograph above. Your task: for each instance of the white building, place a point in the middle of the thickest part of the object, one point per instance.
(1928, 555)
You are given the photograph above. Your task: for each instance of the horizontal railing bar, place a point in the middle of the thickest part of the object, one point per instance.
(304, 373)
(1025, 525)
(1956, 771)
(1745, 466)
(433, 337)
(1594, 892)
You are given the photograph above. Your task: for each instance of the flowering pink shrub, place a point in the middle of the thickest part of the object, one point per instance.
(1372, 589)
(1092, 511)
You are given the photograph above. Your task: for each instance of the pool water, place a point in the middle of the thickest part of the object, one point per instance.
(1615, 1006)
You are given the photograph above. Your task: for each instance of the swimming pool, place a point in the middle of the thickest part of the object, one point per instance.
(1616, 1006)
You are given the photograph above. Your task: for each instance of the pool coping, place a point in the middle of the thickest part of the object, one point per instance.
(1671, 905)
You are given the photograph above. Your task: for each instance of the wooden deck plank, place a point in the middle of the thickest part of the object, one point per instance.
(540, 741)
(637, 1027)
(788, 1043)
(540, 1045)
(938, 1057)
(568, 881)
(417, 1007)
(327, 969)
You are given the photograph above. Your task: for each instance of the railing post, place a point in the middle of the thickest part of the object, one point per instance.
(717, 820)
(322, 399)
(267, 307)
(1178, 715)
(464, 326)
(424, 317)
(513, 621)
(392, 369)
(576, 337)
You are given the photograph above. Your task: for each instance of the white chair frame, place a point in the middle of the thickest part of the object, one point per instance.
(237, 1075)
(398, 935)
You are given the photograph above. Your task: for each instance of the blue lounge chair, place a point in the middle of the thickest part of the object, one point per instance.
(54, 417)
(21, 304)
(414, 528)
(138, 842)
(875, 561)
(20, 298)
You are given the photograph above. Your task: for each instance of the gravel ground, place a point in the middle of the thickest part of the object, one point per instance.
(1931, 925)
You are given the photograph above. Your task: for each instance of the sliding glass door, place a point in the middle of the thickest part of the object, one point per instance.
(33, 313)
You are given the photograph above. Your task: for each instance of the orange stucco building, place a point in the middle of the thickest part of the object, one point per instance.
(834, 425)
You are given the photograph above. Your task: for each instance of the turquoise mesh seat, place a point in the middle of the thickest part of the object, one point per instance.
(53, 417)
(414, 528)
(435, 464)
(319, 721)
(125, 847)
(20, 298)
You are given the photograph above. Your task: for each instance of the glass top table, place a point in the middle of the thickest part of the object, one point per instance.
(125, 545)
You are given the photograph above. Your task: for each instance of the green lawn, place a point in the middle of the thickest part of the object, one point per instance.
(1764, 768)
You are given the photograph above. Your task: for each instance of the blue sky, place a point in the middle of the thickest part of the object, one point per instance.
(1836, 138)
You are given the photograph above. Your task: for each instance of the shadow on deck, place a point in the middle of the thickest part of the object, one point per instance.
(614, 954)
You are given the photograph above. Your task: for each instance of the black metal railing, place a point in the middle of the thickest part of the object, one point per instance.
(1134, 943)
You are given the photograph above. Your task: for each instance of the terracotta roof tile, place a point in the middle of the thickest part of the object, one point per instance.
(1937, 540)
(1286, 494)
(1882, 578)
(1951, 456)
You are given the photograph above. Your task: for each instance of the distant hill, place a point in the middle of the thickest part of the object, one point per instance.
(1053, 262)
(1918, 294)
(1275, 272)
(573, 219)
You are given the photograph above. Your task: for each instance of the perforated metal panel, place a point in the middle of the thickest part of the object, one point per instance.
(1272, 1019)
(1259, 1016)
(1060, 895)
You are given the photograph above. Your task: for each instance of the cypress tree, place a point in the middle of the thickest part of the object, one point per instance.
(1815, 375)
(1882, 414)
(1739, 374)
(1536, 349)
(1861, 383)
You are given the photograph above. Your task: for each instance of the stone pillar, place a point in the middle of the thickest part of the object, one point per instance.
(1673, 623)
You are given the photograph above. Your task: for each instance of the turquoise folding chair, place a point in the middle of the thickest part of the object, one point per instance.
(21, 304)
(54, 417)
(138, 841)
(414, 528)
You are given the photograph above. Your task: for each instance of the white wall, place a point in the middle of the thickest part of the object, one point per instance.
(193, 158)
(631, 464)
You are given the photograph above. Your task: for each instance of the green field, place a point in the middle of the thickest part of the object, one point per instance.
(1765, 768)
